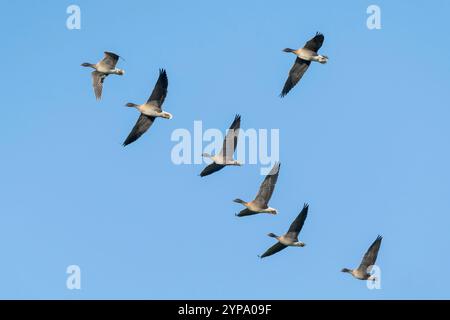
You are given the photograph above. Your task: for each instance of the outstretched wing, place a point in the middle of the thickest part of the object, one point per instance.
(273, 249)
(231, 139)
(297, 225)
(97, 83)
(110, 60)
(315, 43)
(143, 123)
(211, 168)
(160, 90)
(267, 187)
(371, 255)
(295, 74)
(246, 212)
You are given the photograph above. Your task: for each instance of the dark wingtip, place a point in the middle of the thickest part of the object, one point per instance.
(236, 121)
(163, 76)
(305, 208)
(278, 166)
(126, 142)
(114, 55)
(163, 73)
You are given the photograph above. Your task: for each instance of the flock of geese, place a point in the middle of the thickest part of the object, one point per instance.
(152, 109)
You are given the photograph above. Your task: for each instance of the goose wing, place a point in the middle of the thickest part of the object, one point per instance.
(297, 225)
(267, 187)
(160, 90)
(230, 141)
(143, 123)
(371, 255)
(315, 43)
(97, 83)
(246, 212)
(211, 168)
(110, 60)
(273, 249)
(295, 74)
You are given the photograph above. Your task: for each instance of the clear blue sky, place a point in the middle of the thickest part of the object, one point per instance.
(364, 140)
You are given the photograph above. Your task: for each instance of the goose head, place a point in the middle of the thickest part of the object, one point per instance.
(300, 244)
(322, 59)
(167, 115)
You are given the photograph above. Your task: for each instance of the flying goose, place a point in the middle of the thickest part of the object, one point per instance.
(260, 203)
(225, 156)
(362, 273)
(304, 57)
(290, 239)
(103, 69)
(150, 110)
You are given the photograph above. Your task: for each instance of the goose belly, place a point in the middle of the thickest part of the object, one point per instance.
(254, 208)
(285, 241)
(103, 69)
(149, 110)
(219, 160)
(307, 55)
(360, 275)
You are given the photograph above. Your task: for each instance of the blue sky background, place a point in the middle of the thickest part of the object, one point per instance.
(363, 139)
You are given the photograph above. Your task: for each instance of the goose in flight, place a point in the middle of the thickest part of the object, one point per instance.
(150, 110)
(362, 273)
(260, 203)
(103, 69)
(225, 156)
(304, 57)
(290, 239)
